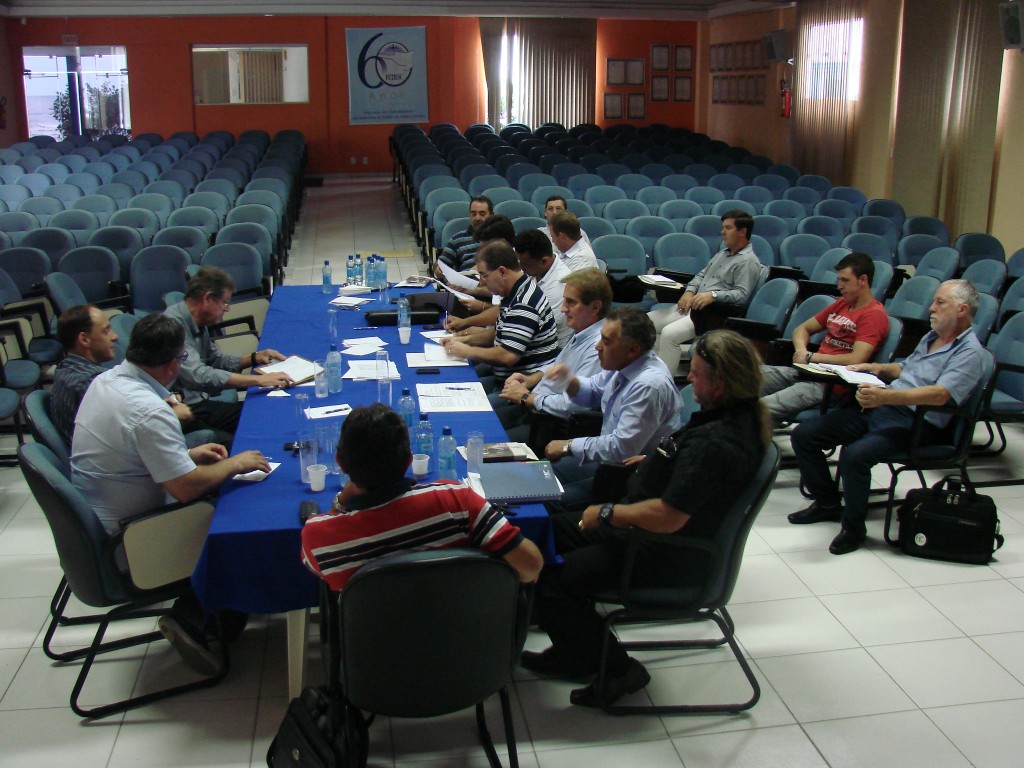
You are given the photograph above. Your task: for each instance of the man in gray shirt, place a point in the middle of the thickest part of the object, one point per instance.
(729, 278)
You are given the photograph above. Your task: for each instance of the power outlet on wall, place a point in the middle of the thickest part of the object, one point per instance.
(352, 160)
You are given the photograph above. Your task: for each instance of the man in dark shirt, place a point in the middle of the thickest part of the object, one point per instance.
(683, 486)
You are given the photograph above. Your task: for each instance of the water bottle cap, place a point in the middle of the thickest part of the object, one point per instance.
(446, 431)
(423, 417)
(334, 347)
(405, 391)
(326, 262)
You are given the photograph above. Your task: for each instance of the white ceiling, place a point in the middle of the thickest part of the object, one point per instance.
(628, 9)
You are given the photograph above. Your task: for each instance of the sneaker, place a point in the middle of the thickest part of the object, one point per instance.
(631, 681)
(816, 513)
(190, 645)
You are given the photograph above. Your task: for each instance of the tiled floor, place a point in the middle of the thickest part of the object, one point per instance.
(872, 659)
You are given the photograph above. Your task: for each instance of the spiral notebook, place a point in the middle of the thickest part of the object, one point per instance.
(519, 482)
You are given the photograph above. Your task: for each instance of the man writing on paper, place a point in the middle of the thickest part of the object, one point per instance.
(682, 487)
(854, 326)
(945, 368)
(208, 371)
(381, 512)
(639, 405)
(523, 339)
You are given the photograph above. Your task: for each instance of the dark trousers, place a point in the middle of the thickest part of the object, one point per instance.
(219, 416)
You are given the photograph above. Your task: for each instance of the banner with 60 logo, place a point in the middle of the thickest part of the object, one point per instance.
(387, 75)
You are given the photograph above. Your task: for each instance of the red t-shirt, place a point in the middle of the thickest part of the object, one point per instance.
(843, 326)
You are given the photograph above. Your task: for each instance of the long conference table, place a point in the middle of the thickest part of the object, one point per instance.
(252, 559)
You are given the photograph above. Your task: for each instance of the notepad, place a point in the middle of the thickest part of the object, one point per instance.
(298, 369)
(520, 482)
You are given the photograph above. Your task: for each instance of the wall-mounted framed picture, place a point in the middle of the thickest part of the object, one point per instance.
(636, 106)
(759, 89)
(748, 55)
(730, 56)
(659, 87)
(716, 90)
(635, 72)
(616, 74)
(659, 58)
(613, 106)
(683, 89)
(741, 90)
(684, 58)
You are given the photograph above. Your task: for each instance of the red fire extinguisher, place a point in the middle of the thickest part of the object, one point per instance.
(3, 112)
(787, 97)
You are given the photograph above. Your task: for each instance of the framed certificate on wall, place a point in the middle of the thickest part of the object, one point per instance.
(683, 89)
(616, 74)
(684, 58)
(659, 58)
(659, 87)
(613, 106)
(637, 106)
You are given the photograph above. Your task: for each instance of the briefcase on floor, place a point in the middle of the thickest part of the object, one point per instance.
(949, 522)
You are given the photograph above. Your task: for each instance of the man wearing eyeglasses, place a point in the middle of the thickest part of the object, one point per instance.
(208, 371)
(681, 487)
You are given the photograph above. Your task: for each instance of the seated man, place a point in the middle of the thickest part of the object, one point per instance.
(460, 252)
(537, 400)
(681, 487)
(88, 340)
(639, 405)
(128, 455)
(568, 238)
(207, 371)
(523, 339)
(553, 206)
(729, 278)
(945, 368)
(381, 509)
(854, 325)
(538, 260)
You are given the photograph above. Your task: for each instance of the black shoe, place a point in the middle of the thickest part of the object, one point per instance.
(816, 513)
(190, 645)
(550, 662)
(845, 542)
(631, 681)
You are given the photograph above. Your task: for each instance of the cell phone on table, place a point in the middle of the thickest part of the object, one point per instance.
(428, 370)
(307, 509)
(432, 327)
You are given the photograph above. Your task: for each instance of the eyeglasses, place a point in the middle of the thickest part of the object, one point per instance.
(182, 357)
(483, 275)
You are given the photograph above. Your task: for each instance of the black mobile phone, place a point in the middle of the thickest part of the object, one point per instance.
(291, 447)
(428, 370)
(432, 327)
(307, 509)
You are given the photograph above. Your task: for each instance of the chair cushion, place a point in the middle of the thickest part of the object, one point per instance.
(22, 374)
(8, 403)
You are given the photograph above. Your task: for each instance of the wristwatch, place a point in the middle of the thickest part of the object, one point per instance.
(714, 295)
(567, 448)
(523, 399)
(808, 357)
(604, 515)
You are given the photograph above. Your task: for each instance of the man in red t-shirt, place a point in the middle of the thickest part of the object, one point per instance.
(854, 326)
(381, 512)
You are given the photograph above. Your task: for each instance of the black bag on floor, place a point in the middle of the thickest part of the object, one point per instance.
(949, 522)
(320, 731)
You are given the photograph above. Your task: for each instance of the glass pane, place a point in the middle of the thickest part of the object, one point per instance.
(266, 74)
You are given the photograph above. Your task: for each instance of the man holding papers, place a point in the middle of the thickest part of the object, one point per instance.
(945, 367)
(854, 326)
(207, 371)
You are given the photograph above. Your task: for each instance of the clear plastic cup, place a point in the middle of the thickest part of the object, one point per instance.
(474, 452)
(309, 454)
(320, 379)
(317, 477)
(301, 407)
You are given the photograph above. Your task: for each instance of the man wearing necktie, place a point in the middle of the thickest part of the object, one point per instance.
(639, 403)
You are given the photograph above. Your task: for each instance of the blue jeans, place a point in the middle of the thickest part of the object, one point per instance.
(868, 438)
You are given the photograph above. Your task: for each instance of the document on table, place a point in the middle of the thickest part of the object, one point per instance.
(457, 279)
(366, 370)
(257, 475)
(660, 281)
(328, 411)
(296, 368)
(852, 377)
(374, 341)
(349, 302)
(420, 360)
(436, 336)
(435, 353)
(452, 398)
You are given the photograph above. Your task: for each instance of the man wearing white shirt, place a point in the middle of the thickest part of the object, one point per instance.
(568, 239)
(553, 206)
(538, 260)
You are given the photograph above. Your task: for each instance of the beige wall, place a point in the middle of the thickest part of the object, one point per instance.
(1008, 186)
(761, 128)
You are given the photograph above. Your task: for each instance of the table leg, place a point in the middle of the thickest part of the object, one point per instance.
(298, 628)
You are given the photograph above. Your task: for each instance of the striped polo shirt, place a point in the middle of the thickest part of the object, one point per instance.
(525, 326)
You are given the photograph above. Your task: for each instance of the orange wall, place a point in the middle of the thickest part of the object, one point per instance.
(160, 73)
(617, 39)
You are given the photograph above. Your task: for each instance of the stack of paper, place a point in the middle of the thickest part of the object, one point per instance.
(366, 370)
(452, 398)
(349, 302)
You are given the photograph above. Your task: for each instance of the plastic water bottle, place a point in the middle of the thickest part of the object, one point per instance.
(446, 455)
(333, 366)
(407, 410)
(328, 288)
(350, 270)
(404, 313)
(359, 270)
(380, 273)
(424, 436)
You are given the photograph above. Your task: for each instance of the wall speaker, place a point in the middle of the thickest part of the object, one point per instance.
(776, 44)
(1010, 22)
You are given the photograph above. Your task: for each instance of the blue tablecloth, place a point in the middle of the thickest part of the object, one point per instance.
(252, 559)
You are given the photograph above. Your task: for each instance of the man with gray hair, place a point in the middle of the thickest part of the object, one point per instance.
(639, 405)
(945, 368)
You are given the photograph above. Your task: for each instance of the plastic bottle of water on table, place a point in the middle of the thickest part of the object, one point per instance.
(407, 410)
(446, 455)
(328, 288)
(424, 442)
(333, 365)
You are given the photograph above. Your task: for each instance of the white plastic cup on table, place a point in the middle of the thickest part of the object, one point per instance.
(317, 477)
(474, 452)
(320, 379)
(404, 334)
(420, 465)
(309, 454)
(301, 408)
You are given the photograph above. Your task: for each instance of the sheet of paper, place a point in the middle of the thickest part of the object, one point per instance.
(419, 360)
(853, 377)
(353, 290)
(328, 411)
(448, 398)
(417, 281)
(367, 370)
(295, 367)
(349, 302)
(436, 336)
(375, 341)
(435, 353)
(457, 279)
(660, 280)
(361, 350)
(277, 393)
(257, 474)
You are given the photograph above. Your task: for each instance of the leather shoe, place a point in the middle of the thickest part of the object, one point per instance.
(845, 542)
(631, 681)
(552, 663)
(190, 645)
(816, 513)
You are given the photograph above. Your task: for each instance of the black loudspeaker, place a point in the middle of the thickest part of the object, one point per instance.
(1011, 24)
(776, 46)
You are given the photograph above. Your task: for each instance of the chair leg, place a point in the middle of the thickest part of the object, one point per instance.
(510, 734)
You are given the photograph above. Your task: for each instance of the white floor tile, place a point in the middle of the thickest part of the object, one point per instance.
(944, 672)
(892, 616)
(989, 734)
(28, 575)
(21, 619)
(27, 536)
(981, 608)
(659, 753)
(10, 662)
(826, 574)
(783, 746)
(767, 577)
(51, 737)
(1007, 650)
(783, 627)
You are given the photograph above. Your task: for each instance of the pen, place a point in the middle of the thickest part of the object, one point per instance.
(363, 328)
(337, 410)
(466, 389)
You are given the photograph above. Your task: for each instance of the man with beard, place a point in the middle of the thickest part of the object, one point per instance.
(460, 252)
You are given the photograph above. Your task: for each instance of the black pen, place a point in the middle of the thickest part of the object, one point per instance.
(337, 410)
(364, 328)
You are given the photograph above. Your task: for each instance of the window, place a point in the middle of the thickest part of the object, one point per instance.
(266, 74)
(832, 62)
(71, 90)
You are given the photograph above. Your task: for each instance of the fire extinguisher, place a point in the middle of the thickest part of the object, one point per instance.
(3, 112)
(787, 97)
